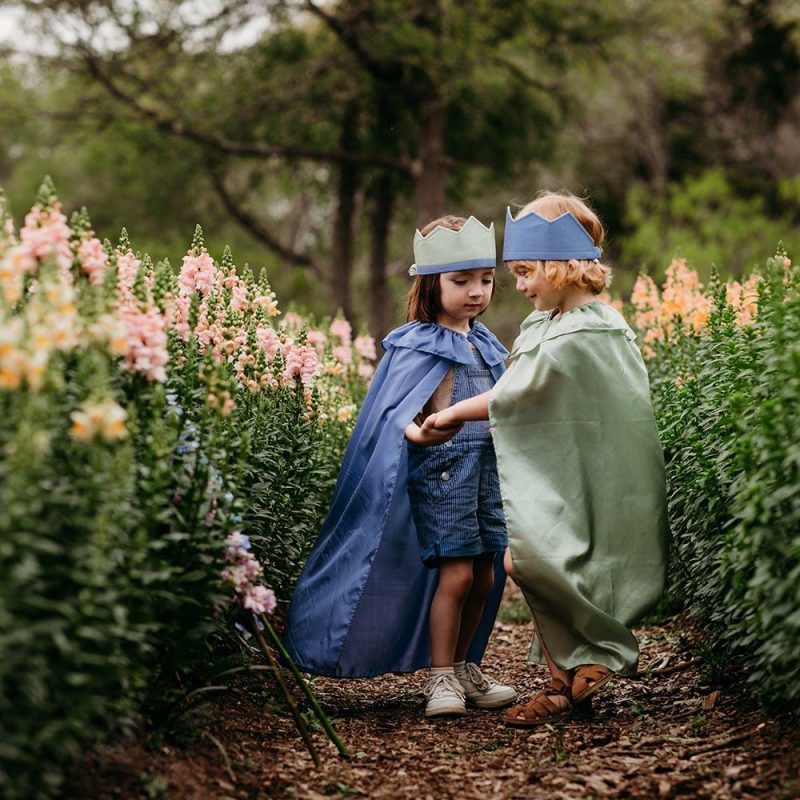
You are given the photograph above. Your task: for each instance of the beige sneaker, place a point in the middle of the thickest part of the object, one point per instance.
(481, 690)
(445, 696)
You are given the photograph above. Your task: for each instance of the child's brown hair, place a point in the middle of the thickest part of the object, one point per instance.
(424, 299)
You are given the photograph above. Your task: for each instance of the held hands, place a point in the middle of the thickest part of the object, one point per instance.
(443, 421)
(432, 430)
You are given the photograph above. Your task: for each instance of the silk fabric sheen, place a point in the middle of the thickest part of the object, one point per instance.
(582, 477)
(361, 604)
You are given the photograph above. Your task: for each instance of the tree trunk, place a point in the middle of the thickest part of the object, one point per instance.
(432, 180)
(341, 265)
(380, 301)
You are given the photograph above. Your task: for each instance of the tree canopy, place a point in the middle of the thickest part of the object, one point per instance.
(316, 135)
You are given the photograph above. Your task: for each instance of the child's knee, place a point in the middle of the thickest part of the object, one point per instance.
(456, 579)
(508, 565)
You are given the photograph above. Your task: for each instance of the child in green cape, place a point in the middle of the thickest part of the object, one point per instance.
(579, 459)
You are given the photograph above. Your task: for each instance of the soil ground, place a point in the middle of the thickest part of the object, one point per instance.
(667, 733)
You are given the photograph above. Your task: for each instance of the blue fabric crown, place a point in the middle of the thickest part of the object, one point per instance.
(534, 238)
(446, 250)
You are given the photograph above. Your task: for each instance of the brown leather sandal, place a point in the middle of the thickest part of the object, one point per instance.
(540, 709)
(588, 680)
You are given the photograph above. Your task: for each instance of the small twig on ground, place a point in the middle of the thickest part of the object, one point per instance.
(224, 752)
(290, 701)
(664, 670)
(722, 744)
(310, 696)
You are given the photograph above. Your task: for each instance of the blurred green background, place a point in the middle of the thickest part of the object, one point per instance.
(313, 137)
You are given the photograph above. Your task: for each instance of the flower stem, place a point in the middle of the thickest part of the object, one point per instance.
(310, 696)
(290, 701)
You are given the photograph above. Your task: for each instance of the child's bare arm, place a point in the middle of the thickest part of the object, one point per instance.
(473, 408)
(428, 436)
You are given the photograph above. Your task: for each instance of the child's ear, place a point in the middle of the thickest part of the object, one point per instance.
(573, 263)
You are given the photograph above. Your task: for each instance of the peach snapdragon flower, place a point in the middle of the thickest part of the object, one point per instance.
(104, 419)
(44, 235)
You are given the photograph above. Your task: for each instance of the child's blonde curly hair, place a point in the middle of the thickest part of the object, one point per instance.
(584, 274)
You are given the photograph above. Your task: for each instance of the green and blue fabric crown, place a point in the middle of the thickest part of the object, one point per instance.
(534, 238)
(446, 250)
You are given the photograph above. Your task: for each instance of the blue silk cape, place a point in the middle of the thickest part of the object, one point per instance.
(361, 604)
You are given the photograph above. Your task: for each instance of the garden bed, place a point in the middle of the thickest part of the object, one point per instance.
(666, 734)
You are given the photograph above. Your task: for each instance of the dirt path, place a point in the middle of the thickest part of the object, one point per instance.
(664, 736)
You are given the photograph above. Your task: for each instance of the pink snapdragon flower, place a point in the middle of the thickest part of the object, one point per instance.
(343, 354)
(300, 361)
(343, 329)
(146, 338)
(208, 330)
(744, 299)
(268, 341)
(244, 569)
(93, 259)
(317, 339)
(45, 234)
(239, 296)
(198, 273)
(127, 269)
(260, 600)
(366, 371)
(177, 312)
(291, 319)
(365, 347)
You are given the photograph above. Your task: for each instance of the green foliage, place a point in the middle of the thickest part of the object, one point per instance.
(287, 484)
(110, 569)
(515, 611)
(727, 403)
(515, 99)
(707, 220)
(112, 602)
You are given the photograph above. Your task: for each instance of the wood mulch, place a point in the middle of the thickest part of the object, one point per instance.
(664, 734)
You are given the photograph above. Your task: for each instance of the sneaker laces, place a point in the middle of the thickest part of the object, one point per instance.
(446, 682)
(472, 672)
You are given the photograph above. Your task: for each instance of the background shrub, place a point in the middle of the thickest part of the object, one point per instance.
(145, 415)
(727, 400)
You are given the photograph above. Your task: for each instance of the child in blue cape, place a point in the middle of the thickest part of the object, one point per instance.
(407, 571)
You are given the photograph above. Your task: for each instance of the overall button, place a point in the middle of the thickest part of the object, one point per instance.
(445, 476)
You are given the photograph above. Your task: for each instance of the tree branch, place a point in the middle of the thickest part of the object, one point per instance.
(181, 129)
(382, 70)
(250, 223)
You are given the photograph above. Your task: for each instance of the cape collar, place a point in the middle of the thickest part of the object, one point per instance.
(541, 326)
(428, 337)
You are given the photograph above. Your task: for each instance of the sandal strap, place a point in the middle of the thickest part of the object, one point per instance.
(591, 672)
(538, 704)
(558, 686)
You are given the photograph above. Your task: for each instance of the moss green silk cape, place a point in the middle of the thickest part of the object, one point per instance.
(582, 478)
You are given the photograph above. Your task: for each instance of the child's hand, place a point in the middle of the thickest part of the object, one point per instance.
(428, 435)
(442, 421)
(437, 430)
